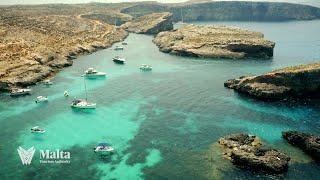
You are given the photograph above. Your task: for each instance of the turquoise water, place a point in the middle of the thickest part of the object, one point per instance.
(163, 124)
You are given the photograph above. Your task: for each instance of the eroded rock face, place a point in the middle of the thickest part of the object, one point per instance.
(33, 48)
(307, 142)
(150, 24)
(214, 42)
(246, 151)
(298, 81)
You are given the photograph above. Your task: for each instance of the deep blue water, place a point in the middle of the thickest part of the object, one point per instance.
(163, 124)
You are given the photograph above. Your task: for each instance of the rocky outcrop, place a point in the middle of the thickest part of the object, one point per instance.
(292, 82)
(33, 48)
(246, 151)
(307, 142)
(229, 11)
(150, 24)
(214, 42)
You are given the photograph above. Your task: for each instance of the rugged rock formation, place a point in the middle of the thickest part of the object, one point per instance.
(297, 81)
(32, 48)
(246, 151)
(112, 18)
(229, 11)
(307, 142)
(150, 24)
(214, 42)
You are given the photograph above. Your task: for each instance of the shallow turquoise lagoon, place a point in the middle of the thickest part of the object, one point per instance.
(163, 124)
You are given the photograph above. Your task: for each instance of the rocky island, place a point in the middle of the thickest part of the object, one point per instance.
(150, 24)
(298, 81)
(307, 142)
(214, 42)
(247, 151)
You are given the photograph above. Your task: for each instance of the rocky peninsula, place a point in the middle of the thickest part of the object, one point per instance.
(33, 48)
(247, 151)
(150, 24)
(214, 42)
(292, 82)
(307, 142)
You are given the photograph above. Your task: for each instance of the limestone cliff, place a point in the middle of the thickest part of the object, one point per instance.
(297, 81)
(214, 42)
(150, 24)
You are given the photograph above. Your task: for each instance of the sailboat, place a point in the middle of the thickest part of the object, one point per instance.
(182, 21)
(83, 103)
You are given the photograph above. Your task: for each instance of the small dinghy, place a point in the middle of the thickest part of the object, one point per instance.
(66, 94)
(91, 72)
(41, 99)
(47, 82)
(20, 92)
(103, 148)
(145, 67)
(37, 130)
(118, 48)
(118, 60)
(124, 43)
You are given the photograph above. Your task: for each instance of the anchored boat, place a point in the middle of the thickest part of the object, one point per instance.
(47, 82)
(41, 99)
(103, 148)
(37, 130)
(20, 92)
(83, 103)
(118, 48)
(91, 72)
(145, 67)
(118, 60)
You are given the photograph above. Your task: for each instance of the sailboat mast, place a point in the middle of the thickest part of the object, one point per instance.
(85, 87)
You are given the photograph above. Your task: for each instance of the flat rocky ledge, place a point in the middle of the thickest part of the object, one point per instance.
(150, 24)
(214, 42)
(247, 152)
(292, 82)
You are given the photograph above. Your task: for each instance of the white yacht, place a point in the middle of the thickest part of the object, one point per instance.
(119, 60)
(118, 48)
(20, 92)
(103, 148)
(145, 67)
(91, 72)
(37, 130)
(41, 99)
(83, 103)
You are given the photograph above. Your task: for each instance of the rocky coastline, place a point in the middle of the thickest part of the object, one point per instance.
(247, 152)
(150, 24)
(214, 42)
(291, 82)
(307, 142)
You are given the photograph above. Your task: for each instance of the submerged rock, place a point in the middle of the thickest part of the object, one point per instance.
(214, 42)
(307, 142)
(246, 151)
(150, 24)
(297, 81)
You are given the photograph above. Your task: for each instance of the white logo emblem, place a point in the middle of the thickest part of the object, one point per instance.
(26, 155)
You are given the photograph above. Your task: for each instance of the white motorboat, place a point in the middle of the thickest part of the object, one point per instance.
(91, 72)
(37, 130)
(47, 82)
(118, 48)
(20, 92)
(66, 94)
(41, 99)
(103, 148)
(83, 103)
(119, 60)
(145, 67)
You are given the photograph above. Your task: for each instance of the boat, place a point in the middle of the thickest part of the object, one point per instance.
(47, 82)
(20, 92)
(145, 67)
(124, 43)
(91, 72)
(66, 94)
(118, 48)
(118, 60)
(103, 148)
(37, 130)
(41, 99)
(83, 103)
